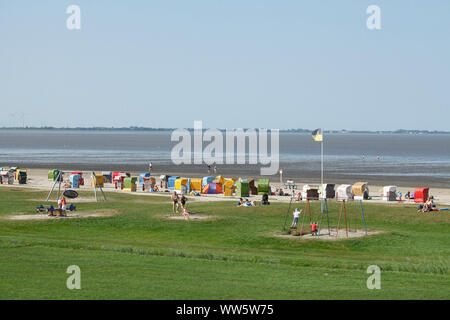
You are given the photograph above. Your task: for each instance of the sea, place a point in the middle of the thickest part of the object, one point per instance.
(394, 159)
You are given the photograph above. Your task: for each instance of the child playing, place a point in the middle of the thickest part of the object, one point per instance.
(296, 214)
(186, 214)
(314, 227)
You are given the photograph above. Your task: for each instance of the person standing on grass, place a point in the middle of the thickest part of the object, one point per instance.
(174, 202)
(62, 206)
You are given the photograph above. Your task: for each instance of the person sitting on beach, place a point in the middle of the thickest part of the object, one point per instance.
(296, 214)
(428, 205)
(314, 227)
(174, 202)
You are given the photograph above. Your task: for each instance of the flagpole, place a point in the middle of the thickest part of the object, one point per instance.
(321, 169)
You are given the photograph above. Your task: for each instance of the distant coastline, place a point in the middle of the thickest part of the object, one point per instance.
(144, 129)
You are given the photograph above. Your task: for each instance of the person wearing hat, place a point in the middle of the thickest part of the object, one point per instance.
(296, 214)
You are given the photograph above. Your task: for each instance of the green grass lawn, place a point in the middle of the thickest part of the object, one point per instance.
(138, 254)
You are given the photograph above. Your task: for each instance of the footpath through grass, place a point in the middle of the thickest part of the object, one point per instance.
(139, 254)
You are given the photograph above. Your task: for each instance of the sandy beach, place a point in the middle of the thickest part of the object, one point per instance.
(37, 178)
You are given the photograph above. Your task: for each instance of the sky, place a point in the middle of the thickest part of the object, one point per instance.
(234, 63)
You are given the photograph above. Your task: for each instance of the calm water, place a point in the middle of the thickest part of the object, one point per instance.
(424, 158)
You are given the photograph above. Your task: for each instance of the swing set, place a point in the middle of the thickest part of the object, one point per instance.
(59, 180)
(324, 211)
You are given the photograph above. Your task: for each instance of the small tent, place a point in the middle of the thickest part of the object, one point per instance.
(142, 176)
(344, 192)
(310, 192)
(421, 195)
(107, 176)
(228, 187)
(242, 189)
(212, 188)
(164, 181)
(171, 182)
(389, 193)
(196, 184)
(181, 185)
(253, 188)
(360, 190)
(328, 190)
(129, 184)
(263, 186)
(75, 180)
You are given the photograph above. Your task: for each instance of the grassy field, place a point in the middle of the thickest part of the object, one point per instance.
(139, 254)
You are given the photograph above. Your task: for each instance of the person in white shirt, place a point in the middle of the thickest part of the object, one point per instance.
(296, 214)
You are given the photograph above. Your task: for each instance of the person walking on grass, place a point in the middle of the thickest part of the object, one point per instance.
(183, 202)
(174, 202)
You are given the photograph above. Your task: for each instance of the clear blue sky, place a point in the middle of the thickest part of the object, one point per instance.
(230, 63)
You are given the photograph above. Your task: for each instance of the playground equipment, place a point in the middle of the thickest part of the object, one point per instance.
(59, 178)
(324, 214)
(343, 210)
